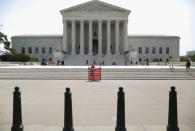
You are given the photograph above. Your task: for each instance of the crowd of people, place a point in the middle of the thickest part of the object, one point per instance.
(169, 62)
(51, 62)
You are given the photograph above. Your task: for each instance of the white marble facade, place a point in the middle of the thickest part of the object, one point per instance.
(96, 32)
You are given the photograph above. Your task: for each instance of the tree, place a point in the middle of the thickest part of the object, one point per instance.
(19, 57)
(12, 56)
(192, 57)
(183, 58)
(4, 40)
(155, 60)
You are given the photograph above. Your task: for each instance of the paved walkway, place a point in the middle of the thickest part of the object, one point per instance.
(94, 104)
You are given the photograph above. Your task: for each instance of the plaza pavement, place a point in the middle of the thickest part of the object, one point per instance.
(94, 104)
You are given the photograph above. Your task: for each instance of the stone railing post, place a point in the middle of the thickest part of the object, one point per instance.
(17, 111)
(120, 124)
(68, 122)
(172, 118)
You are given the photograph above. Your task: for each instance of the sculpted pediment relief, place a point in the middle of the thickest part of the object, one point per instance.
(93, 6)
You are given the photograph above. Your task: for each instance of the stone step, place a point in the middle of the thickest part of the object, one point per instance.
(85, 69)
(81, 59)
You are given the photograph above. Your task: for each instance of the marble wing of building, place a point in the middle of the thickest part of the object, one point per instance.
(97, 32)
(190, 53)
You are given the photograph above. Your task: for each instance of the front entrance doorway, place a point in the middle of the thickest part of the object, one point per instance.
(95, 47)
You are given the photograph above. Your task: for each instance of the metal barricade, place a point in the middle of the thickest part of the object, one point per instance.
(94, 73)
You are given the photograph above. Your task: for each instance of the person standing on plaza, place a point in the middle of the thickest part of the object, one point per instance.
(147, 62)
(62, 63)
(144, 60)
(87, 62)
(189, 60)
(170, 62)
(188, 64)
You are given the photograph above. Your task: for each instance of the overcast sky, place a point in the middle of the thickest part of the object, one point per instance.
(170, 17)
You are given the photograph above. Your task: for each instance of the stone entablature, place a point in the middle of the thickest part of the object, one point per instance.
(94, 6)
(95, 10)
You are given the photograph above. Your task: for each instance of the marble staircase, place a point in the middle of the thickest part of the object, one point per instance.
(97, 59)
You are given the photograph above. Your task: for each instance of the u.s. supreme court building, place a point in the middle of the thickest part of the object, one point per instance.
(96, 32)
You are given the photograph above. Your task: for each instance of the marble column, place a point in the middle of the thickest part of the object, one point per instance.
(82, 37)
(90, 37)
(73, 37)
(125, 36)
(100, 38)
(108, 37)
(116, 37)
(65, 36)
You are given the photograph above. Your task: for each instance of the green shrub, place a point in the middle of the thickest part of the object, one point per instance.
(155, 60)
(192, 58)
(4, 57)
(33, 59)
(183, 58)
(19, 57)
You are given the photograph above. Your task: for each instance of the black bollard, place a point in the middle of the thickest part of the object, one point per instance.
(17, 111)
(120, 123)
(172, 120)
(68, 124)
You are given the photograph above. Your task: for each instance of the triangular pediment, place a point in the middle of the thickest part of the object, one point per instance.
(95, 6)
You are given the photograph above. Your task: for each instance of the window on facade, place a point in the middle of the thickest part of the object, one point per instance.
(43, 50)
(50, 50)
(147, 50)
(30, 50)
(140, 59)
(153, 50)
(160, 59)
(167, 50)
(36, 50)
(140, 50)
(160, 50)
(23, 50)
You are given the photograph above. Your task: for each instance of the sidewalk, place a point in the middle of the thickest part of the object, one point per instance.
(94, 104)
(100, 128)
